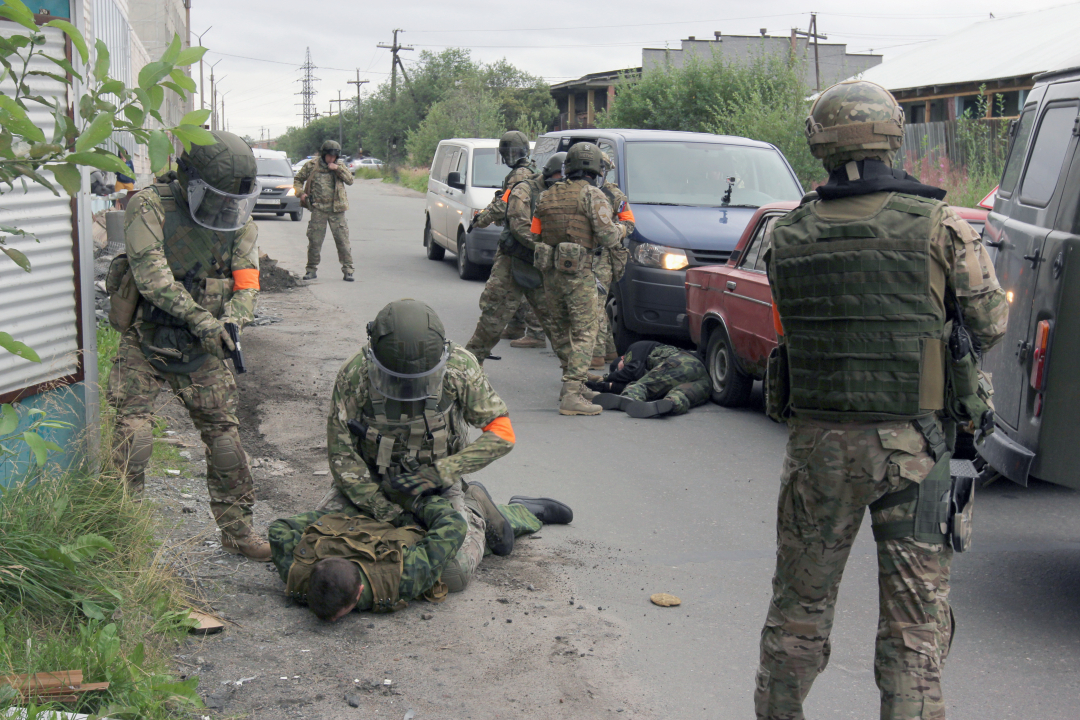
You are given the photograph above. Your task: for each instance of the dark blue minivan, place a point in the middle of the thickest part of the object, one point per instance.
(692, 195)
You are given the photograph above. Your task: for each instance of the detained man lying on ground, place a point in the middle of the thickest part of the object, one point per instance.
(651, 380)
(337, 561)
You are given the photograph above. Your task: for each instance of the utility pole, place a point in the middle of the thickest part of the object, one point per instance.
(223, 108)
(808, 34)
(340, 138)
(359, 140)
(395, 63)
(213, 98)
(202, 99)
(307, 90)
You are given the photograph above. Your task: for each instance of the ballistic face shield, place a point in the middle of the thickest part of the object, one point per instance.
(218, 210)
(219, 181)
(407, 351)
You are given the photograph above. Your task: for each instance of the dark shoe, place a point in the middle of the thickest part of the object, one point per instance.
(643, 409)
(611, 401)
(310, 275)
(499, 533)
(546, 510)
(348, 276)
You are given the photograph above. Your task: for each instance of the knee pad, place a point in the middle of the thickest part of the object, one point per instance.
(226, 454)
(142, 447)
(134, 447)
(455, 576)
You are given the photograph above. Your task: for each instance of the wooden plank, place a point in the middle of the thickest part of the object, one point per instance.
(43, 679)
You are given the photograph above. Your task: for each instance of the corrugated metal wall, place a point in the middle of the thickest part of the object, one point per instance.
(39, 307)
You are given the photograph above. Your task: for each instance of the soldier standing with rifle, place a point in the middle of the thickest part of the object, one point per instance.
(872, 276)
(180, 295)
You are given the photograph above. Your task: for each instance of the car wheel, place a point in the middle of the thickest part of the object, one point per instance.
(435, 251)
(730, 386)
(297, 216)
(624, 336)
(466, 269)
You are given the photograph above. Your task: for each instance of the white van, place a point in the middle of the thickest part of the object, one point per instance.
(465, 175)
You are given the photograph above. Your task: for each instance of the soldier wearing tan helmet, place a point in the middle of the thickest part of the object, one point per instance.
(869, 276)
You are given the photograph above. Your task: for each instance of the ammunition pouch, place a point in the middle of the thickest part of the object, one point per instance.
(172, 347)
(571, 258)
(944, 502)
(778, 385)
(543, 257)
(215, 295)
(513, 247)
(123, 293)
(525, 274)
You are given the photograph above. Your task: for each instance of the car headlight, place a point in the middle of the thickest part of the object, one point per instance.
(659, 256)
(292, 189)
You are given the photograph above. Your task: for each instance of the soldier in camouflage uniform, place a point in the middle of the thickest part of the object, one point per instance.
(652, 379)
(513, 277)
(866, 394)
(328, 201)
(395, 564)
(404, 405)
(610, 264)
(573, 220)
(193, 257)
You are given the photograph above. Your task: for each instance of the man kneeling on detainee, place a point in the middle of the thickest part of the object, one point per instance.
(651, 380)
(337, 561)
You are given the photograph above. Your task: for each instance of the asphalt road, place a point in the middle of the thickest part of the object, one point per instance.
(687, 505)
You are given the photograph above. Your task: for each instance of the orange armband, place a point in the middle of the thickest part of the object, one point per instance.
(506, 195)
(627, 215)
(501, 426)
(245, 280)
(535, 228)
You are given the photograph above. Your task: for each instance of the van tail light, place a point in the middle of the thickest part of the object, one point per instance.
(1040, 355)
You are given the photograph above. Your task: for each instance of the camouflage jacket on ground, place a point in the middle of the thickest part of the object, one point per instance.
(327, 189)
(474, 403)
(422, 564)
(144, 236)
(495, 212)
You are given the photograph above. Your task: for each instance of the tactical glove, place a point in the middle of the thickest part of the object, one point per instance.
(407, 488)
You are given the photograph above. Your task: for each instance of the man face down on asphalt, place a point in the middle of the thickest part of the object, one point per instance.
(864, 275)
(652, 380)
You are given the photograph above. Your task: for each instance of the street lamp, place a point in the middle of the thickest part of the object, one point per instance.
(213, 98)
(202, 100)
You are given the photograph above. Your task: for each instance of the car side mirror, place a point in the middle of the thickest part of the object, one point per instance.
(455, 181)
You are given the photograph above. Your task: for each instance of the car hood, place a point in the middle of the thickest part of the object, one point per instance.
(273, 180)
(689, 227)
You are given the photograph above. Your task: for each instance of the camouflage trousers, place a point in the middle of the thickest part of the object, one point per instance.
(681, 378)
(605, 339)
(525, 323)
(832, 471)
(500, 300)
(211, 398)
(571, 300)
(316, 233)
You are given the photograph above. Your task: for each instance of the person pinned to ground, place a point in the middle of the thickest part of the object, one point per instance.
(651, 380)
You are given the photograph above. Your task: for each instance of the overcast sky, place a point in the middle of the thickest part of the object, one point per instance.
(259, 47)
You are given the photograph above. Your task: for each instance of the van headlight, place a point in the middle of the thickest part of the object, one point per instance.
(659, 256)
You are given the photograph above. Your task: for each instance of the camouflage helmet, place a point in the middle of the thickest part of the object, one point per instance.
(407, 351)
(513, 146)
(609, 162)
(228, 165)
(584, 157)
(330, 147)
(554, 164)
(854, 120)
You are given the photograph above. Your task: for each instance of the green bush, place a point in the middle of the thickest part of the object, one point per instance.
(764, 99)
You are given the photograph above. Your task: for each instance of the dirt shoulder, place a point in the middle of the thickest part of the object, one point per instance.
(515, 643)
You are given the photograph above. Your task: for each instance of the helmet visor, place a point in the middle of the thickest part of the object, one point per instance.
(403, 386)
(218, 210)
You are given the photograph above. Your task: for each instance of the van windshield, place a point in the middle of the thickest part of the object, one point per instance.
(276, 167)
(487, 168)
(697, 173)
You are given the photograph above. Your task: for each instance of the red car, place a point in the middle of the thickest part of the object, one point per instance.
(729, 308)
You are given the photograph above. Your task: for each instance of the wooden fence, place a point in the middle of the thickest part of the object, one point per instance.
(936, 140)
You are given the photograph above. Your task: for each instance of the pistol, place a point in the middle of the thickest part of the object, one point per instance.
(237, 355)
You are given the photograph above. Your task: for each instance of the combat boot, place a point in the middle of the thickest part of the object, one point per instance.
(598, 362)
(644, 409)
(572, 403)
(498, 533)
(512, 332)
(310, 275)
(349, 276)
(611, 357)
(528, 341)
(588, 393)
(611, 401)
(251, 546)
(546, 510)
(136, 485)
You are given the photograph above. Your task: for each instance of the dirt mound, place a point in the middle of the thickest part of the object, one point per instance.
(273, 278)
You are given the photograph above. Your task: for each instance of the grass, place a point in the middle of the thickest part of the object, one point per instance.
(84, 584)
(965, 187)
(412, 178)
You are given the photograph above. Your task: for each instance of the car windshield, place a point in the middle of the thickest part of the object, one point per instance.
(698, 173)
(277, 167)
(488, 170)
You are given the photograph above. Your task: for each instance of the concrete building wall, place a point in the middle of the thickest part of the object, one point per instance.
(155, 22)
(834, 62)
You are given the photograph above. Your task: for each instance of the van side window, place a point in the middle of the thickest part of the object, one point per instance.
(1048, 154)
(1017, 152)
(440, 162)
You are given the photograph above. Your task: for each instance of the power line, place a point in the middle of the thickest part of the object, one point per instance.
(307, 91)
(282, 62)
